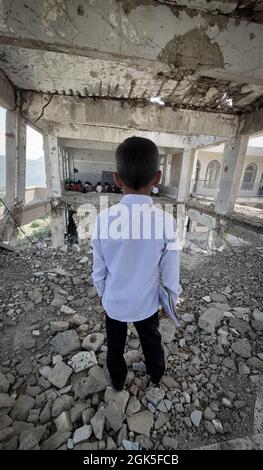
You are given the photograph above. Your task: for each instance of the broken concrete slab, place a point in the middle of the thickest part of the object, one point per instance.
(66, 342)
(95, 382)
(167, 329)
(83, 360)
(141, 422)
(82, 434)
(210, 319)
(242, 348)
(60, 374)
(97, 422)
(154, 395)
(93, 342)
(23, 404)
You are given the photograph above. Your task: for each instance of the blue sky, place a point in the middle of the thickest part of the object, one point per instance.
(35, 140)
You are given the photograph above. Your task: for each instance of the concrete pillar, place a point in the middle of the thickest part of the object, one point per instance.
(232, 167)
(167, 170)
(52, 167)
(15, 174)
(211, 239)
(10, 155)
(15, 158)
(192, 226)
(181, 222)
(21, 159)
(7, 93)
(185, 184)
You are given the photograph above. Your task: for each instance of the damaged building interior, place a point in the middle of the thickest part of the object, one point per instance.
(87, 75)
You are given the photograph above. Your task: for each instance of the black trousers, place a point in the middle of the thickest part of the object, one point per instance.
(150, 338)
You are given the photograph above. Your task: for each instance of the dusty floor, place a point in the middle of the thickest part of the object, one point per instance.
(211, 394)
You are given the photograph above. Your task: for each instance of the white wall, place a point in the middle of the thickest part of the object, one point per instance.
(254, 155)
(91, 164)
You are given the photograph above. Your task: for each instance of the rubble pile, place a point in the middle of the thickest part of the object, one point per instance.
(54, 389)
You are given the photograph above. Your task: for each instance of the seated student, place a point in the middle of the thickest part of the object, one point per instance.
(116, 189)
(78, 186)
(128, 265)
(106, 187)
(155, 191)
(67, 185)
(98, 187)
(88, 186)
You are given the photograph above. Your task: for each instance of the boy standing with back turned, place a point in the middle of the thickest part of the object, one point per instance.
(128, 263)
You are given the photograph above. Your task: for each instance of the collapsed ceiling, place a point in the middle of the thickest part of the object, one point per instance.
(187, 57)
(52, 72)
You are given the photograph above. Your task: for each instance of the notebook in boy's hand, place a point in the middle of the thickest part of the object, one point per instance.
(168, 305)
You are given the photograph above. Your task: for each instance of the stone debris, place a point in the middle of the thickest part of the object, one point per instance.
(67, 310)
(134, 406)
(114, 410)
(82, 434)
(55, 440)
(97, 422)
(210, 319)
(83, 360)
(154, 395)
(6, 401)
(78, 320)
(196, 417)
(22, 406)
(132, 356)
(167, 330)
(60, 374)
(188, 317)
(170, 443)
(93, 342)
(4, 383)
(141, 422)
(257, 315)
(54, 391)
(59, 326)
(94, 383)
(129, 445)
(242, 348)
(218, 426)
(66, 342)
(29, 439)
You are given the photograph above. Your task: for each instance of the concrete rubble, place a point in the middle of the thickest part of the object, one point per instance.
(56, 395)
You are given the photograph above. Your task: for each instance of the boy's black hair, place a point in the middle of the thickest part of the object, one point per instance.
(137, 161)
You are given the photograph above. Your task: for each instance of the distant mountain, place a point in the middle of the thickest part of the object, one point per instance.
(35, 172)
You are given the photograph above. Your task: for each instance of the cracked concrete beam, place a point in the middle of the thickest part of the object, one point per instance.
(107, 138)
(252, 123)
(7, 94)
(115, 113)
(115, 135)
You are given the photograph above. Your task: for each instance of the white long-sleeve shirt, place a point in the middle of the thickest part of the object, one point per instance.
(134, 245)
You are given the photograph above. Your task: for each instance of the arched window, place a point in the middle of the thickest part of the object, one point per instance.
(212, 175)
(249, 177)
